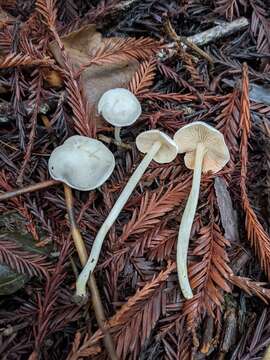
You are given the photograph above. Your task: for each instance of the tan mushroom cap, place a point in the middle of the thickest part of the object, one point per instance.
(82, 163)
(217, 154)
(168, 150)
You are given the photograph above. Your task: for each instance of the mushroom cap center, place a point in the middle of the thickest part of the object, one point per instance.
(119, 107)
(82, 163)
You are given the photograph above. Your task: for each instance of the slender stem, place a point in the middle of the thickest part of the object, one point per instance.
(117, 134)
(28, 189)
(118, 206)
(186, 224)
(82, 252)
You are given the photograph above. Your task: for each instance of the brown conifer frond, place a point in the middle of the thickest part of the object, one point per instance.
(47, 303)
(260, 25)
(13, 60)
(161, 242)
(229, 8)
(35, 94)
(195, 77)
(266, 131)
(122, 49)
(48, 11)
(255, 232)
(79, 350)
(82, 120)
(228, 121)
(182, 97)
(169, 73)
(209, 276)
(251, 287)
(143, 78)
(20, 206)
(153, 207)
(21, 261)
(79, 105)
(138, 315)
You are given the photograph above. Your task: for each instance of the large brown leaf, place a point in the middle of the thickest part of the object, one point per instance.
(96, 79)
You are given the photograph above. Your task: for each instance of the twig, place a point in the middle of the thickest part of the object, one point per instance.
(213, 34)
(80, 247)
(28, 189)
(186, 41)
(109, 140)
(218, 32)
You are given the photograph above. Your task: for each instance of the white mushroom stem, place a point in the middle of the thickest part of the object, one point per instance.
(117, 136)
(118, 206)
(186, 223)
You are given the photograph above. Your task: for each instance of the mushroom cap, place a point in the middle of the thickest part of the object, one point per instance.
(188, 137)
(82, 163)
(168, 150)
(119, 107)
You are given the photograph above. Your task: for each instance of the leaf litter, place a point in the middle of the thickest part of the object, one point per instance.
(57, 59)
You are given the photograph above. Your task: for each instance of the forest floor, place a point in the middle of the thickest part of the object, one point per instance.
(56, 59)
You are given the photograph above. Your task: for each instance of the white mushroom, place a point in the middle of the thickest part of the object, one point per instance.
(205, 150)
(119, 107)
(157, 146)
(82, 163)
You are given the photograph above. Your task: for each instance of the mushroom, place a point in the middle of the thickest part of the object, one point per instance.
(119, 107)
(156, 145)
(205, 150)
(82, 163)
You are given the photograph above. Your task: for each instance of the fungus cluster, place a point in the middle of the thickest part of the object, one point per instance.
(156, 145)
(85, 164)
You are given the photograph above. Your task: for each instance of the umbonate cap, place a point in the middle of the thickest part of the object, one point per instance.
(216, 151)
(119, 107)
(168, 150)
(82, 163)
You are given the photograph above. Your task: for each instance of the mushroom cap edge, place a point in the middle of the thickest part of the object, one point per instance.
(168, 150)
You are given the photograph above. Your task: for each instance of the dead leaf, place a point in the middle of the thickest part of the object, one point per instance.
(79, 46)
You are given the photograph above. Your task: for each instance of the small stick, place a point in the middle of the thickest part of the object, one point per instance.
(28, 189)
(109, 140)
(80, 247)
(213, 34)
(184, 40)
(217, 32)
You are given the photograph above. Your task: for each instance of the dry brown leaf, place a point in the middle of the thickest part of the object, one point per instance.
(80, 46)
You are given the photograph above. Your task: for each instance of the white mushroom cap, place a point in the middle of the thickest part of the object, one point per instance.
(168, 150)
(119, 107)
(82, 163)
(217, 154)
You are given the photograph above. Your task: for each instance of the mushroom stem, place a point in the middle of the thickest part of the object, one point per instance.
(186, 224)
(117, 136)
(82, 252)
(118, 206)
